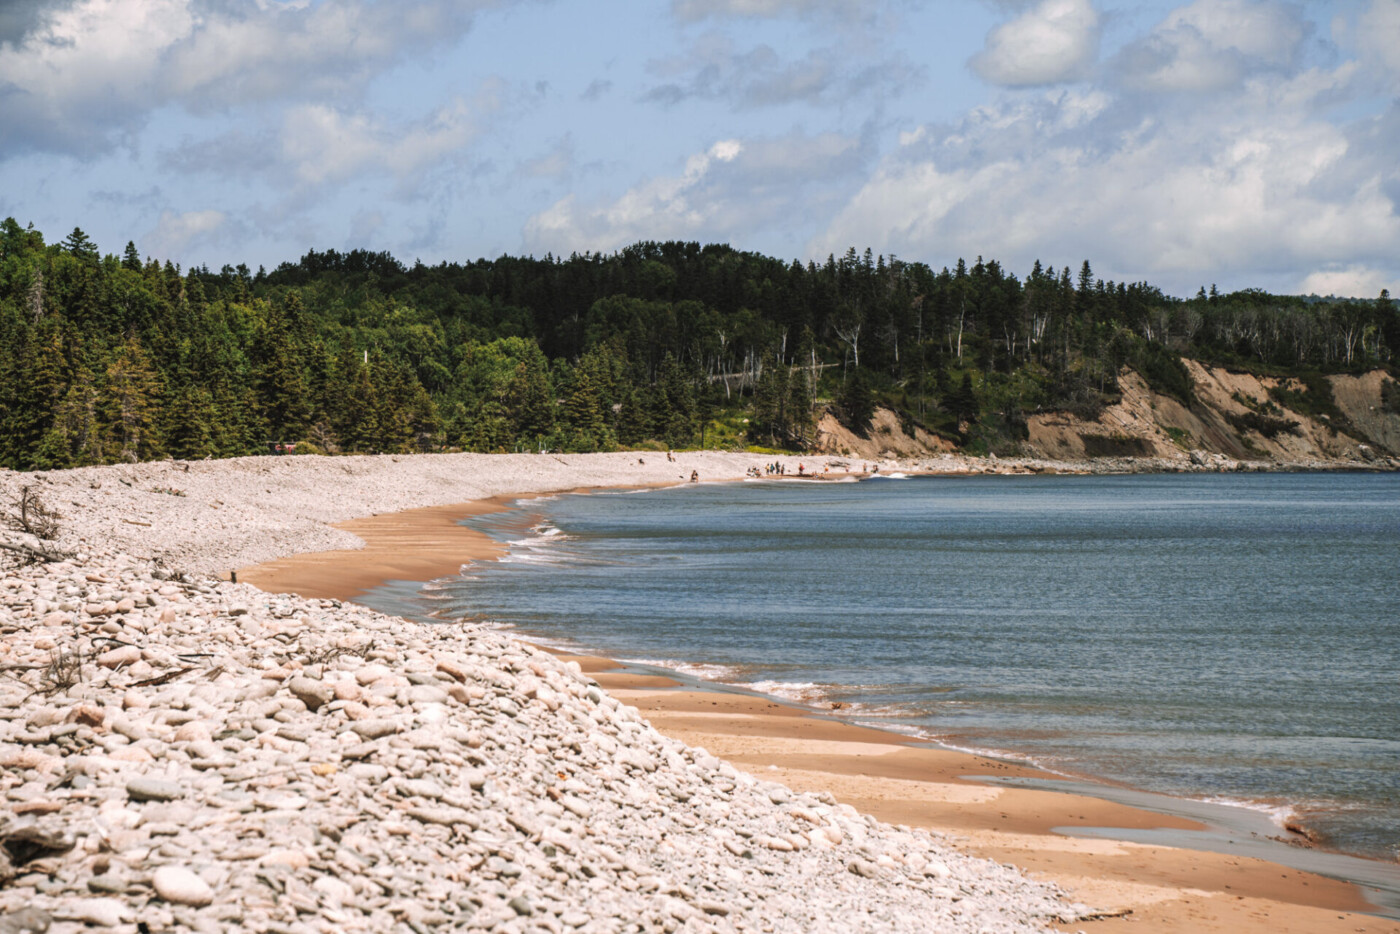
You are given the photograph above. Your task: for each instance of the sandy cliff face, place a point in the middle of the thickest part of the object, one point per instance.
(1239, 416)
(1147, 423)
(1359, 398)
(887, 439)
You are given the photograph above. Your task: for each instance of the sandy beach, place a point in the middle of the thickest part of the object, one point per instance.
(1136, 887)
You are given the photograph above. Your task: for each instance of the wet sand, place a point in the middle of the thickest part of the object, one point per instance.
(415, 545)
(1138, 887)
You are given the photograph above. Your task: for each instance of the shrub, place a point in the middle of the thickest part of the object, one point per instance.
(1266, 425)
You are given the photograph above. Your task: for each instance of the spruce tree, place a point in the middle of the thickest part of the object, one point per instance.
(530, 401)
(191, 424)
(858, 403)
(132, 403)
(583, 414)
(81, 246)
(75, 439)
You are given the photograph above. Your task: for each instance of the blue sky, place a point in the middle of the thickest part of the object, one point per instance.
(1237, 142)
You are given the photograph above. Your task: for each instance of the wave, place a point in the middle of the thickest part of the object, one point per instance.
(704, 671)
(802, 691)
(1280, 814)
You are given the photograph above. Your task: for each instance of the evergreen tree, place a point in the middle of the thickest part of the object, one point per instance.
(191, 424)
(963, 403)
(75, 437)
(583, 414)
(530, 400)
(769, 421)
(633, 426)
(673, 405)
(79, 245)
(355, 417)
(858, 403)
(132, 400)
(279, 379)
(801, 428)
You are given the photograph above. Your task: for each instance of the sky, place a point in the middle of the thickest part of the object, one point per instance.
(1241, 143)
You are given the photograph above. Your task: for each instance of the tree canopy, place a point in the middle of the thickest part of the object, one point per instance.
(117, 358)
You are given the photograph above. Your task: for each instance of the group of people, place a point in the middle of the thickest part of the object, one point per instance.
(777, 468)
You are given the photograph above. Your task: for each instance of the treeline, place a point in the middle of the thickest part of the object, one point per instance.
(117, 357)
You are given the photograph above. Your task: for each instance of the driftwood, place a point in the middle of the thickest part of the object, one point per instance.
(35, 553)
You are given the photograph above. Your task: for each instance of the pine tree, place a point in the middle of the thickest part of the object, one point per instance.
(673, 405)
(801, 425)
(279, 379)
(583, 414)
(769, 420)
(76, 437)
(81, 246)
(963, 403)
(355, 419)
(130, 258)
(632, 422)
(530, 401)
(132, 400)
(37, 383)
(858, 403)
(191, 424)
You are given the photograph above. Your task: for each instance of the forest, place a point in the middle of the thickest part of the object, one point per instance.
(117, 357)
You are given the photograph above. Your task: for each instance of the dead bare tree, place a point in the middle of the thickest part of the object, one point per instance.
(30, 516)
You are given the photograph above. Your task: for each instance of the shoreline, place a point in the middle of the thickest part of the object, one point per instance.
(887, 775)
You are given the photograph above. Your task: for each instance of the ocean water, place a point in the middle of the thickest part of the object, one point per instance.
(1222, 637)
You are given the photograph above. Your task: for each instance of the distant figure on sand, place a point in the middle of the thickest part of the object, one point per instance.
(800, 468)
(695, 476)
(670, 457)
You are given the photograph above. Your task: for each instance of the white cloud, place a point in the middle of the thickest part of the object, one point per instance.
(1211, 45)
(1052, 42)
(734, 189)
(1248, 187)
(315, 145)
(94, 68)
(1379, 32)
(175, 233)
(1354, 281)
(321, 144)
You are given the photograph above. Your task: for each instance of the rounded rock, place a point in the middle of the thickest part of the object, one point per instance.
(181, 886)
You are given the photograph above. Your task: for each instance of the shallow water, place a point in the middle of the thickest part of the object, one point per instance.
(1215, 636)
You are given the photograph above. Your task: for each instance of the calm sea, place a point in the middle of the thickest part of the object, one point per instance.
(1221, 637)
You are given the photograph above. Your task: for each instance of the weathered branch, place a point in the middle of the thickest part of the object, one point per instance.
(35, 553)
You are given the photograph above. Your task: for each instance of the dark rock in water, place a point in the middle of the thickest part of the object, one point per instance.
(1293, 827)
